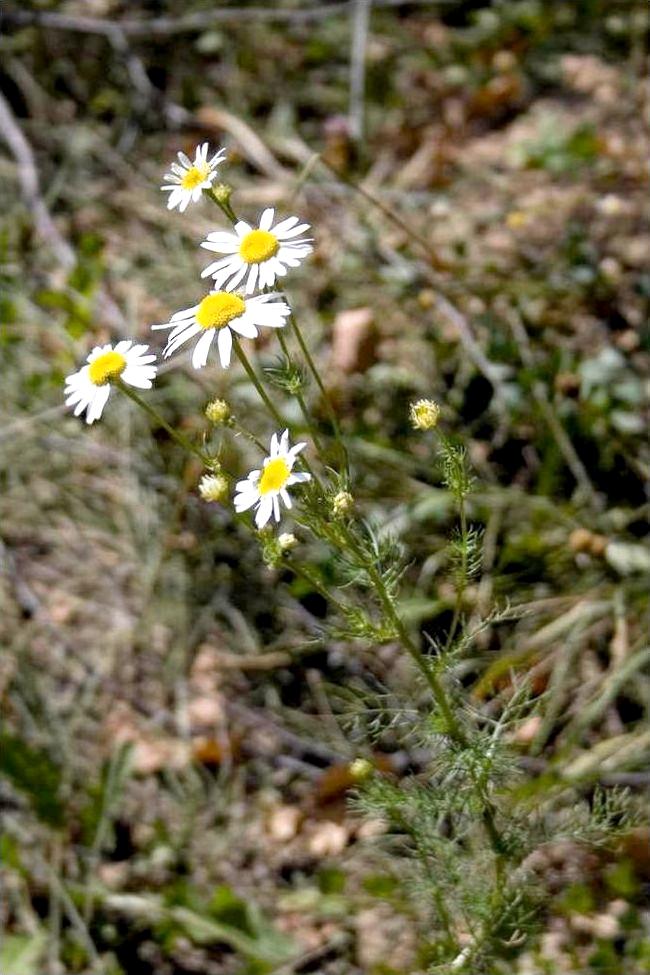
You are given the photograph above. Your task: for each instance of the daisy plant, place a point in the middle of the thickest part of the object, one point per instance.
(369, 566)
(187, 180)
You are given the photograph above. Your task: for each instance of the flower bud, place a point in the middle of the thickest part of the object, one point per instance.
(218, 411)
(361, 769)
(287, 541)
(424, 414)
(213, 487)
(342, 503)
(222, 193)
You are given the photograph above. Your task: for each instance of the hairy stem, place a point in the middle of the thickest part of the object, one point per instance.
(254, 378)
(180, 438)
(252, 375)
(462, 581)
(301, 402)
(319, 382)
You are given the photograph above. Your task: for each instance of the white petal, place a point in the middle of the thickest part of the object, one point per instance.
(223, 237)
(266, 220)
(245, 501)
(202, 348)
(236, 277)
(180, 338)
(185, 313)
(224, 342)
(220, 246)
(264, 511)
(244, 326)
(293, 232)
(217, 269)
(242, 228)
(296, 449)
(137, 379)
(252, 278)
(285, 225)
(99, 402)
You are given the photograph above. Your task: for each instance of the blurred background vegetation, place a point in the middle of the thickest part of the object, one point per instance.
(176, 727)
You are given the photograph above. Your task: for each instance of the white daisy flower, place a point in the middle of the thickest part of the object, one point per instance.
(90, 388)
(219, 314)
(258, 255)
(188, 179)
(264, 489)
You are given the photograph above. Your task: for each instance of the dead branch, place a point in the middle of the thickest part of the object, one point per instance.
(29, 183)
(172, 26)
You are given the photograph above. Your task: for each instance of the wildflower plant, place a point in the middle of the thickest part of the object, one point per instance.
(463, 830)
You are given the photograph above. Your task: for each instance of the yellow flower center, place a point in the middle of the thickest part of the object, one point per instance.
(258, 246)
(194, 176)
(106, 366)
(217, 310)
(274, 476)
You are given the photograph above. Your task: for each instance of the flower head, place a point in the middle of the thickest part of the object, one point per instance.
(342, 503)
(219, 314)
(188, 179)
(361, 769)
(265, 488)
(217, 411)
(213, 487)
(257, 255)
(424, 414)
(287, 541)
(89, 388)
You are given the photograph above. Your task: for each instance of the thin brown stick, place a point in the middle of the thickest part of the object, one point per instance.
(29, 185)
(172, 26)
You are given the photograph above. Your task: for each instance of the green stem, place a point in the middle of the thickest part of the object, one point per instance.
(247, 433)
(252, 375)
(315, 582)
(326, 399)
(301, 401)
(454, 729)
(160, 421)
(223, 205)
(462, 582)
